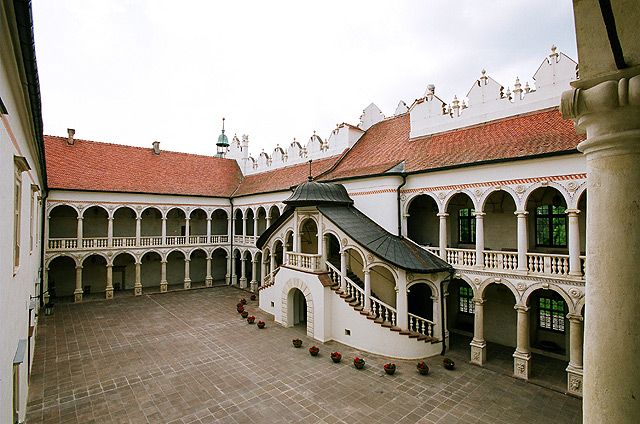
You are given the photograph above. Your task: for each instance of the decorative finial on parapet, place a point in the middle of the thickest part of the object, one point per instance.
(310, 177)
(553, 52)
(526, 87)
(456, 106)
(484, 76)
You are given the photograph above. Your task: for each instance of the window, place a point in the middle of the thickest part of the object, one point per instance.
(32, 216)
(551, 314)
(551, 226)
(467, 226)
(20, 165)
(466, 304)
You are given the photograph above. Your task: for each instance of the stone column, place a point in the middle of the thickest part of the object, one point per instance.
(478, 344)
(164, 230)
(227, 276)
(138, 229)
(234, 271)
(78, 291)
(254, 282)
(79, 232)
(609, 112)
(343, 271)
(208, 280)
(320, 237)
(244, 229)
(109, 290)
(523, 241)
(255, 226)
(522, 356)
(268, 218)
(137, 287)
(402, 306)
(324, 251)
(163, 276)
(435, 301)
(479, 239)
(208, 230)
(187, 279)
(574, 243)
(243, 272)
(45, 283)
(575, 369)
(110, 232)
(443, 235)
(187, 230)
(367, 290)
(263, 269)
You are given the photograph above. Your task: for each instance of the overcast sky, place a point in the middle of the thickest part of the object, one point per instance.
(135, 71)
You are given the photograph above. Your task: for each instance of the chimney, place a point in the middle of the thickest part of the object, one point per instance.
(156, 147)
(71, 133)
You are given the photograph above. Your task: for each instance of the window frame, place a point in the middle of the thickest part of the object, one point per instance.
(469, 222)
(465, 301)
(556, 317)
(551, 216)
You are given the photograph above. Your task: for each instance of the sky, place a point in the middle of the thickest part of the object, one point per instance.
(138, 71)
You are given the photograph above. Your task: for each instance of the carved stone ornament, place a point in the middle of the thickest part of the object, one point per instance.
(403, 197)
(575, 293)
(575, 384)
(520, 189)
(521, 286)
(109, 253)
(476, 356)
(545, 285)
(369, 258)
(344, 242)
(139, 208)
(477, 192)
(164, 208)
(572, 186)
(442, 195)
(521, 367)
(476, 281)
(80, 206)
(409, 277)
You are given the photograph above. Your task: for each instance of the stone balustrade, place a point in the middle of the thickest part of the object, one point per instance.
(119, 242)
(304, 261)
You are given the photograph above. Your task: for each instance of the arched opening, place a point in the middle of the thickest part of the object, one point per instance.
(549, 326)
(423, 224)
(175, 269)
(219, 222)
(500, 223)
(63, 222)
(249, 222)
(176, 226)
(62, 277)
(262, 220)
(237, 264)
(151, 224)
(582, 223)
(123, 273)
(248, 269)
(296, 308)
(266, 259)
(198, 223)
(95, 223)
(124, 226)
(237, 230)
(460, 308)
(94, 275)
(309, 237)
(198, 268)
(289, 241)
(547, 221)
(258, 260)
(274, 213)
(500, 324)
(419, 301)
(383, 285)
(333, 249)
(219, 266)
(151, 270)
(278, 251)
(462, 222)
(355, 267)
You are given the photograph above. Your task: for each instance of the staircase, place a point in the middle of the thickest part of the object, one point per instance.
(380, 313)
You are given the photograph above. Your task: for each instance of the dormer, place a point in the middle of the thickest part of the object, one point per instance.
(555, 73)
(485, 90)
(314, 145)
(371, 115)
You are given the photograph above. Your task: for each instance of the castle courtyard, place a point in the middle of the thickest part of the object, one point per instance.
(188, 357)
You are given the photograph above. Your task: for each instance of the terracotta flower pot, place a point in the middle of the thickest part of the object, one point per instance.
(252, 297)
(250, 320)
(297, 343)
(448, 363)
(261, 324)
(245, 314)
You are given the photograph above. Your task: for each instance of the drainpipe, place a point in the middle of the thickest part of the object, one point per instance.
(42, 247)
(404, 181)
(444, 330)
(232, 229)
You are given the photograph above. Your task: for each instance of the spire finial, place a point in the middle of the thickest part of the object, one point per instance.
(310, 177)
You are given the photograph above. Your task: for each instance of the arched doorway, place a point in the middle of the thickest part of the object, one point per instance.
(423, 224)
(419, 301)
(309, 237)
(62, 277)
(296, 308)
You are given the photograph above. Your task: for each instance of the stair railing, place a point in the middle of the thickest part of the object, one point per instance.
(420, 325)
(383, 311)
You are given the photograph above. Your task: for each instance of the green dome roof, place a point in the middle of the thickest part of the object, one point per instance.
(314, 193)
(223, 141)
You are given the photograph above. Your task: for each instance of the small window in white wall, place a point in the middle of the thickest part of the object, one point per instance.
(20, 165)
(32, 217)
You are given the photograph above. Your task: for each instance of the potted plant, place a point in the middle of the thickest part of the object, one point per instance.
(244, 314)
(260, 324)
(314, 350)
(239, 305)
(251, 319)
(336, 357)
(240, 309)
(423, 368)
(297, 343)
(448, 363)
(358, 363)
(243, 301)
(390, 368)
(252, 297)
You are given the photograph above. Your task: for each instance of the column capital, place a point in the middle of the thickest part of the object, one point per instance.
(521, 308)
(575, 317)
(442, 215)
(187, 219)
(78, 266)
(521, 213)
(80, 218)
(164, 218)
(110, 218)
(479, 300)
(479, 214)
(209, 219)
(366, 271)
(571, 212)
(163, 262)
(139, 218)
(187, 260)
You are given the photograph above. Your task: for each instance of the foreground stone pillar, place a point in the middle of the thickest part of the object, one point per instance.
(522, 356)
(163, 277)
(443, 235)
(479, 239)
(243, 273)
(609, 112)
(78, 291)
(137, 287)
(109, 289)
(187, 278)
(254, 282)
(478, 344)
(208, 280)
(523, 241)
(574, 370)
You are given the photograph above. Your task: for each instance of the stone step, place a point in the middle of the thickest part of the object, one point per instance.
(398, 329)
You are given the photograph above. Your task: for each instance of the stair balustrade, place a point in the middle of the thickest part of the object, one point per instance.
(383, 312)
(420, 325)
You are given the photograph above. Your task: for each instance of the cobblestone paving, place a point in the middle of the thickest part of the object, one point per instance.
(188, 357)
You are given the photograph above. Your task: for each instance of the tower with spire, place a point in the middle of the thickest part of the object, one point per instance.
(223, 143)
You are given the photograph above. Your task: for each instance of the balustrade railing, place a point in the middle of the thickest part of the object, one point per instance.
(383, 311)
(150, 241)
(500, 260)
(304, 261)
(219, 239)
(354, 291)
(334, 273)
(63, 243)
(542, 263)
(123, 241)
(463, 257)
(431, 249)
(420, 325)
(95, 242)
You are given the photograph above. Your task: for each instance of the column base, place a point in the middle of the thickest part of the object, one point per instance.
(254, 285)
(109, 293)
(521, 365)
(208, 281)
(187, 284)
(234, 280)
(77, 297)
(243, 283)
(478, 352)
(574, 381)
(137, 290)
(163, 286)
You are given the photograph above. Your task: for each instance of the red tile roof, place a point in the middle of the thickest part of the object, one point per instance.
(387, 143)
(90, 165)
(284, 178)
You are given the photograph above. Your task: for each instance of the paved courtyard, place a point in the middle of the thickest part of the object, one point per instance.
(188, 357)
